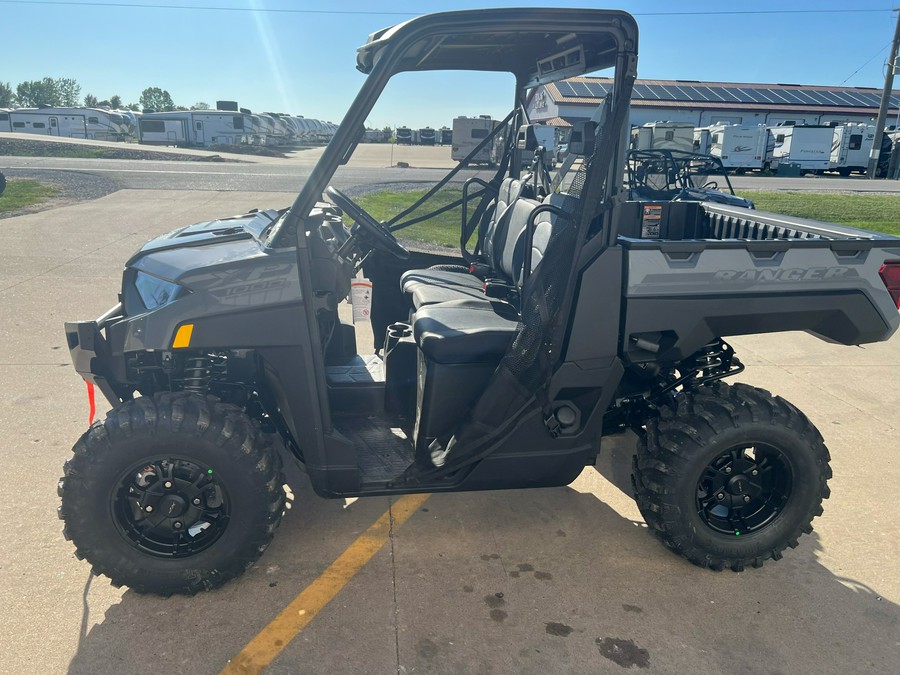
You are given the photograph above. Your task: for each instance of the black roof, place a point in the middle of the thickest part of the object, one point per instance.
(516, 40)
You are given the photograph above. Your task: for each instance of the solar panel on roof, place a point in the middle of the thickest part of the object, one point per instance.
(565, 89)
(804, 97)
(845, 98)
(855, 100)
(760, 95)
(778, 96)
(643, 93)
(694, 93)
(790, 96)
(581, 89)
(819, 97)
(725, 93)
(709, 93)
(661, 92)
(742, 94)
(598, 89)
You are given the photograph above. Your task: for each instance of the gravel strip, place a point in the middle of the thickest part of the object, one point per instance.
(73, 186)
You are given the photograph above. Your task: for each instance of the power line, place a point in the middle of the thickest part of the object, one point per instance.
(278, 10)
(887, 44)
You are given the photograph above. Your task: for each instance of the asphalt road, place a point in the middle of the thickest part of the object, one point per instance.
(371, 163)
(564, 580)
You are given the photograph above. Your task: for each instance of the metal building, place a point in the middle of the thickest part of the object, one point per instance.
(704, 103)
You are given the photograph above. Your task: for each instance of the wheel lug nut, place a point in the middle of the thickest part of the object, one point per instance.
(167, 484)
(196, 501)
(754, 472)
(746, 498)
(727, 469)
(148, 508)
(721, 495)
(177, 525)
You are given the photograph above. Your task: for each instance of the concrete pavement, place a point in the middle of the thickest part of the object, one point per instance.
(539, 581)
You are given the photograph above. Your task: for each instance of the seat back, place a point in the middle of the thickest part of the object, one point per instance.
(546, 222)
(510, 191)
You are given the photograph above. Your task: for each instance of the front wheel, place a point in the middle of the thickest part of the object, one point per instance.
(731, 477)
(172, 494)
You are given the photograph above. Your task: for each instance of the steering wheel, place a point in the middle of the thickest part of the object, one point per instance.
(376, 234)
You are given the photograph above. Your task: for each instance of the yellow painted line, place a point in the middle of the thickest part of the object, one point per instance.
(271, 640)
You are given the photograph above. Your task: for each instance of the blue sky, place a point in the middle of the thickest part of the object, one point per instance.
(304, 63)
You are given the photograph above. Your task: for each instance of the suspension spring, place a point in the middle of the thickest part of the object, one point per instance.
(196, 374)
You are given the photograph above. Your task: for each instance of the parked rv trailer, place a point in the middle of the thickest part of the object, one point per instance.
(739, 147)
(702, 140)
(663, 136)
(468, 132)
(445, 136)
(426, 136)
(404, 136)
(546, 138)
(850, 147)
(76, 122)
(806, 146)
(195, 128)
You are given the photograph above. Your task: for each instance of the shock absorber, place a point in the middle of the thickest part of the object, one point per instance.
(196, 374)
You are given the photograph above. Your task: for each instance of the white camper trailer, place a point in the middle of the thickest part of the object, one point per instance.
(546, 138)
(468, 132)
(739, 147)
(76, 122)
(851, 144)
(196, 128)
(663, 136)
(702, 140)
(806, 146)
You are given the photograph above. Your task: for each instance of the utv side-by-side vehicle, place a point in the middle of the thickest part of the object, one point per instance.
(570, 313)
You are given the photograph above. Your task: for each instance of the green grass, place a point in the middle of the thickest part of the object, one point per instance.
(443, 230)
(25, 192)
(880, 213)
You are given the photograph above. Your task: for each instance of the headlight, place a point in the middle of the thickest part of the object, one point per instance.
(155, 292)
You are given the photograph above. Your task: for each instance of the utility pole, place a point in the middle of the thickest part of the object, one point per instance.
(885, 100)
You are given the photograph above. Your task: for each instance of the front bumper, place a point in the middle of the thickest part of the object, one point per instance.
(91, 354)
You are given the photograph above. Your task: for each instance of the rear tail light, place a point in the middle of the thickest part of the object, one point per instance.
(890, 276)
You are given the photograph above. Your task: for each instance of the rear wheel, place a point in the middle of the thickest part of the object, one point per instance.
(172, 494)
(731, 477)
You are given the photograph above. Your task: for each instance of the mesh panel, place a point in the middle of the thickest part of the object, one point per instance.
(532, 351)
(577, 184)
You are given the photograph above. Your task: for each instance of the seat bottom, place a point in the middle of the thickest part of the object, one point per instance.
(465, 331)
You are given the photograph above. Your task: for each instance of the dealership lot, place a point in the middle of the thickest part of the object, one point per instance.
(555, 580)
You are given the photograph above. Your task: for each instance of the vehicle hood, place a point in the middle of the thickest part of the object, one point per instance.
(234, 228)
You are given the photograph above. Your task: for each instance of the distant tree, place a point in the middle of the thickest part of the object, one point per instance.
(115, 102)
(157, 99)
(7, 95)
(90, 101)
(179, 108)
(200, 105)
(68, 90)
(38, 92)
(104, 103)
(134, 107)
(49, 91)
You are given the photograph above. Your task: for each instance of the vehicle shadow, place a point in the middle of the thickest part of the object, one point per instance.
(530, 581)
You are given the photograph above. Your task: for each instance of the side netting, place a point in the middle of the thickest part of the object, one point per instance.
(517, 386)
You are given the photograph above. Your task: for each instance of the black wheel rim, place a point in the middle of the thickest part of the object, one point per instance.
(170, 507)
(744, 489)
